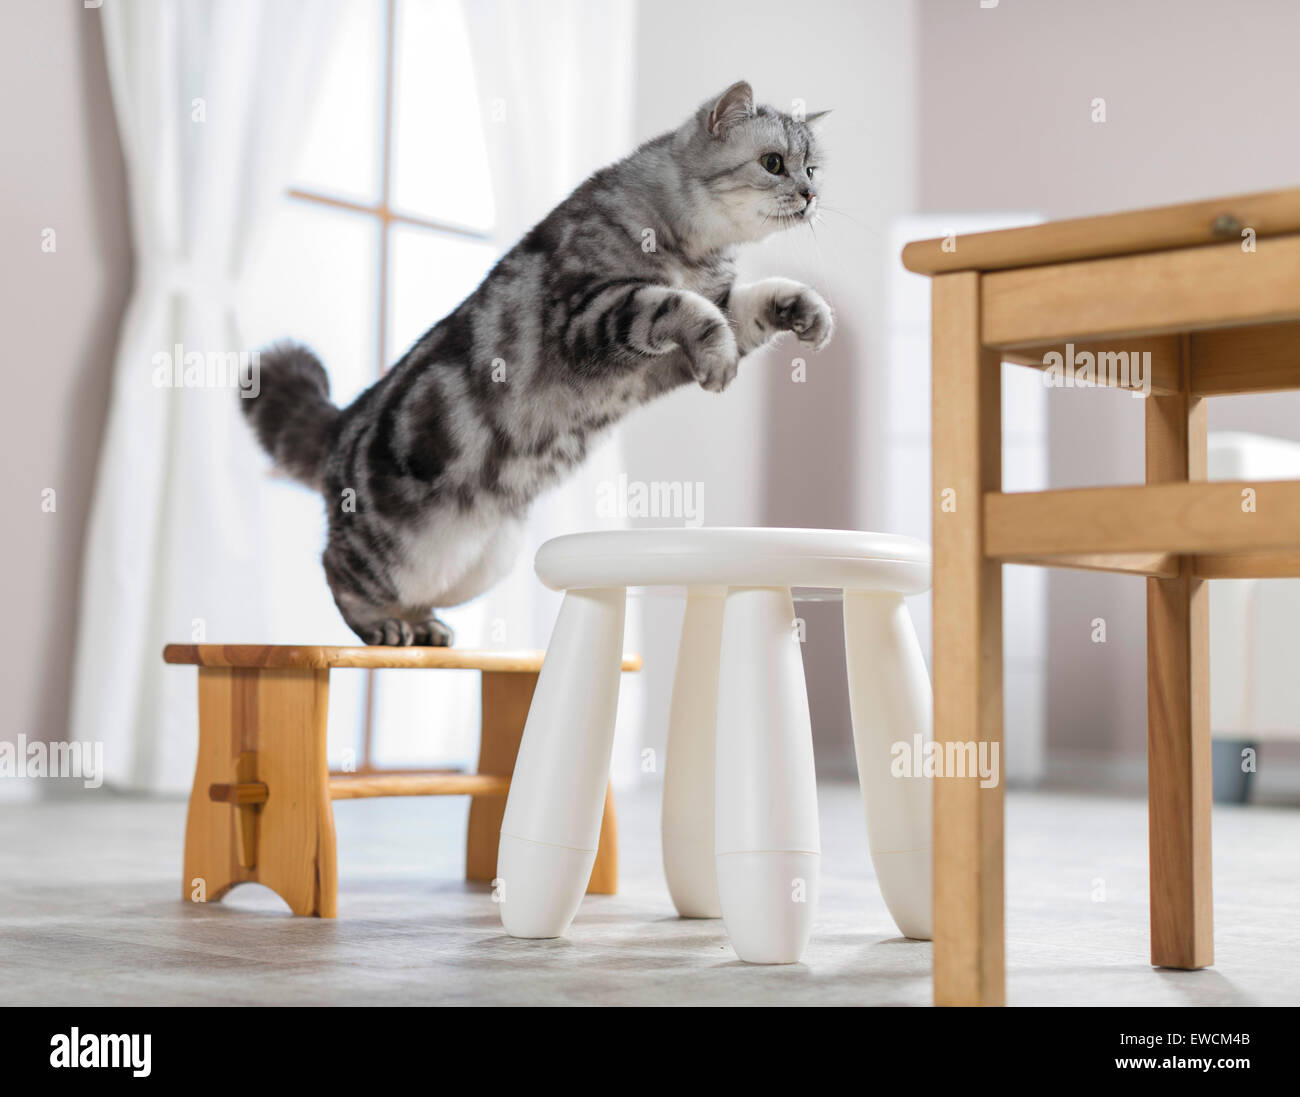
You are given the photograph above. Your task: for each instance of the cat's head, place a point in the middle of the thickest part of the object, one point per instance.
(756, 169)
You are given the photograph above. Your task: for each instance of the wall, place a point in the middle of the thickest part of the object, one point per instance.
(770, 451)
(1201, 100)
(63, 171)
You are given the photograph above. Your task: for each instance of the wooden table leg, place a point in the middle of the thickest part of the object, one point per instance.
(1179, 786)
(212, 861)
(967, 440)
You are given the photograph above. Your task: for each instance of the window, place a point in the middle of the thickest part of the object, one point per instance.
(389, 224)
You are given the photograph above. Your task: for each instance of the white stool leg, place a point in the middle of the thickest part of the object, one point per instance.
(688, 768)
(767, 838)
(890, 699)
(552, 819)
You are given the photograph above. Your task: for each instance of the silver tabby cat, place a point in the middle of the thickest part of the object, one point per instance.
(624, 292)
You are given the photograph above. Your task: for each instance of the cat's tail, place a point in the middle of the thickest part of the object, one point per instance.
(292, 412)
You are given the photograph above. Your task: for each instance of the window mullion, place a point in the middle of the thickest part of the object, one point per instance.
(385, 228)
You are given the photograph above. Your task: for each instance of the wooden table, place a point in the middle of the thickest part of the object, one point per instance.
(1212, 291)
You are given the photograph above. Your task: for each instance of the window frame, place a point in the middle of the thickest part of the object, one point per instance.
(385, 217)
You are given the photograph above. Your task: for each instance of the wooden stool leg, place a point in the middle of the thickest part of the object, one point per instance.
(506, 697)
(969, 965)
(212, 865)
(1179, 786)
(604, 873)
(266, 726)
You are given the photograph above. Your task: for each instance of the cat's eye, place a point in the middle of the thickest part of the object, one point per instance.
(772, 162)
(810, 172)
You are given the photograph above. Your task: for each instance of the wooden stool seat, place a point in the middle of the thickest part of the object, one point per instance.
(322, 657)
(261, 808)
(1208, 295)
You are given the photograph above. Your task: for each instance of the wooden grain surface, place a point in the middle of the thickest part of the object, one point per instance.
(1248, 565)
(505, 699)
(969, 963)
(1165, 361)
(1259, 358)
(273, 733)
(1179, 786)
(320, 657)
(1175, 517)
(1121, 298)
(1268, 213)
(350, 787)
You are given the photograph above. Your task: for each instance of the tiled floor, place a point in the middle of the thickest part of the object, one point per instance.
(90, 913)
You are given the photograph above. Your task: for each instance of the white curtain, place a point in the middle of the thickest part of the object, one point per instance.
(556, 80)
(210, 96)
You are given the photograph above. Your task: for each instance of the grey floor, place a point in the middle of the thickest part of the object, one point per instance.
(89, 913)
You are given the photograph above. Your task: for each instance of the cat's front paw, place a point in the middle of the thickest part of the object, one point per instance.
(805, 312)
(715, 358)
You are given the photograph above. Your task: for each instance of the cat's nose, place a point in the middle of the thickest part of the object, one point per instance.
(807, 196)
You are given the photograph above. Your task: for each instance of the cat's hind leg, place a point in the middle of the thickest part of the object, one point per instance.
(364, 592)
(395, 628)
(376, 627)
(432, 632)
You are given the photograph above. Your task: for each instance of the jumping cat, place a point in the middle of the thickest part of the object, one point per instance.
(625, 291)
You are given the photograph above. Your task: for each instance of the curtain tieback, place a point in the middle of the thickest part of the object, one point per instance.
(199, 281)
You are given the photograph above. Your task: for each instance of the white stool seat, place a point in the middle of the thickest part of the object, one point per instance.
(736, 557)
(740, 830)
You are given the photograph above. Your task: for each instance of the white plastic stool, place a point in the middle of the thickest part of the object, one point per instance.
(740, 833)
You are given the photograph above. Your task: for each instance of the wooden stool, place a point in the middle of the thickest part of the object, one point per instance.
(1212, 291)
(261, 809)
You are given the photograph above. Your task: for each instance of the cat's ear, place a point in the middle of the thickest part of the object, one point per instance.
(734, 105)
(815, 118)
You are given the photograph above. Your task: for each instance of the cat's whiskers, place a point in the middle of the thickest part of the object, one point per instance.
(839, 212)
(817, 244)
